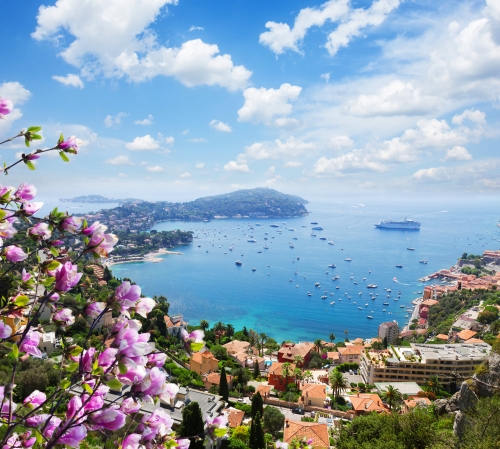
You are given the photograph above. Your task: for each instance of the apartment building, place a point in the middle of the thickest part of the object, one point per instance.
(389, 329)
(420, 361)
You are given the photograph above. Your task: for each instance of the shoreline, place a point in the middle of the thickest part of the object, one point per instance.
(149, 257)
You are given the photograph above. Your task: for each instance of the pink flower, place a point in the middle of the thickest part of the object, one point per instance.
(129, 406)
(88, 360)
(95, 309)
(53, 424)
(67, 276)
(89, 230)
(131, 441)
(152, 384)
(95, 403)
(156, 420)
(7, 193)
(127, 295)
(7, 229)
(72, 224)
(41, 231)
(56, 243)
(72, 143)
(25, 192)
(111, 418)
(281, 445)
(183, 443)
(101, 243)
(14, 254)
(25, 277)
(107, 357)
(54, 297)
(29, 344)
(32, 157)
(134, 375)
(64, 317)
(73, 436)
(36, 398)
(6, 107)
(5, 330)
(144, 306)
(36, 420)
(75, 408)
(168, 392)
(157, 359)
(32, 208)
(130, 343)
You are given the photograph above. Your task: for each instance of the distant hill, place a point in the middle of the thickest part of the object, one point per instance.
(98, 199)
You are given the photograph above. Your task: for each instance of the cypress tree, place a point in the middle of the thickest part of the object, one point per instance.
(192, 424)
(223, 387)
(256, 370)
(257, 405)
(257, 434)
(385, 342)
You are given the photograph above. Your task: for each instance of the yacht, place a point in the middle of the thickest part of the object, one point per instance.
(309, 294)
(360, 308)
(239, 262)
(348, 259)
(332, 243)
(405, 223)
(332, 303)
(251, 240)
(323, 297)
(322, 238)
(254, 269)
(372, 286)
(369, 317)
(399, 266)
(423, 261)
(332, 265)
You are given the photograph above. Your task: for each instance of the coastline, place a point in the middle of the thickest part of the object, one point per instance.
(150, 257)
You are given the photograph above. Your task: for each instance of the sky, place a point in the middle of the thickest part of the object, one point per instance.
(178, 99)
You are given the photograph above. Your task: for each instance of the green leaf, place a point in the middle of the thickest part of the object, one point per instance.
(52, 265)
(7, 344)
(72, 367)
(65, 383)
(15, 351)
(123, 368)
(195, 347)
(54, 251)
(34, 129)
(219, 433)
(76, 351)
(21, 301)
(114, 384)
(87, 388)
(61, 138)
(63, 156)
(39, 439)
(30, 165)
(36, 137)
(48, 282)
(27, 142)
(2, 214)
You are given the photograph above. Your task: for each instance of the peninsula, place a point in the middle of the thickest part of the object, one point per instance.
(98, 199)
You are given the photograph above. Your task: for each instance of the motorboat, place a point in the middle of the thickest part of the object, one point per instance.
(239, 262)
(254, 269)
(369, 317)
(372, 286)
(399, 266)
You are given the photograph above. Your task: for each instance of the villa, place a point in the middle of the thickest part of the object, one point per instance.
(276, 377)
(317, 432)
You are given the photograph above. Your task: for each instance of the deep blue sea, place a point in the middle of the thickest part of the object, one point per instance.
(205, 283)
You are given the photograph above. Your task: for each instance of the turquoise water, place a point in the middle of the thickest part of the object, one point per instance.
(205, 283)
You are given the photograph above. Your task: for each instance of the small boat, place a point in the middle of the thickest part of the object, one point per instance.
(314, 222)
(348, 259)
(422, 261)
(251, 240)
(254, 269)
(316, 284)
(332, 265)
(399, 266)
(383, 310)
(331, 242)
(337, 287)
(366, 305)
(332, 303)
(372, 286)
(386, 303)
(309, 294)
(360, 308)
(238, 262)
(323, 297)
(369, 317)
(322, 238)
(401, 307)
(410, 249)
(291, 245)
(199, 246)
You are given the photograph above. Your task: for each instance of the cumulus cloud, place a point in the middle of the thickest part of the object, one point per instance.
(293, 164)
(263, 105)
(198, 140)
(435, 174)
(274, 150)
(147, 121)
(15, 92)
(193, 28)
(340, 142)
(353, 22)
(458, 153)
(325, 76)
(119, 160)
(235, 166)
(199, 165)
(185, 175)
(112, 120)
(69, 80)
(271, 171)
(122, 175)
(143, 144)
(154, 169)
(116, 41)
(220, 126)
(356, 160)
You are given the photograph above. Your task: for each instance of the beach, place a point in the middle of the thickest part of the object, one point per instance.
(150, 257)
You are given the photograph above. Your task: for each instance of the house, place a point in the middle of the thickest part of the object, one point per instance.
(474, 340)
(465, 335)
(358, 341)
(264, 390)
(291, 350)
(105, 320)
(277, 379)
(236, 346)
(251, 361)
(48, 342)
(203, 362)
(313, 394)
(364, 403)
(409, 388)
(411, 403)
(442, 337)
(174, 324)
(234, 417)
(333, 357)
(317, 432)
(350, 354)
(211, 379)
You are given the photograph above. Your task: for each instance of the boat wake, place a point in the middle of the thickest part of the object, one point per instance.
(431, 213)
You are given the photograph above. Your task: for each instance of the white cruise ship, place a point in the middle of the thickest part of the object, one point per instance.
(405, 223)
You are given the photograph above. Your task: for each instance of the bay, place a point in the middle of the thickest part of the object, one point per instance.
(205, 283)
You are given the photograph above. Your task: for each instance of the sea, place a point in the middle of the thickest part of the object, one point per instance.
(268, 292)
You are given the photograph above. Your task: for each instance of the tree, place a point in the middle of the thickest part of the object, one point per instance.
(241, 433)
(298, 360)
(385, 342)
(338, 383)
(223, 386)
(273, 420)
(256, 370)
(219, 352)
(204, 325)
(346, 332)
(192, 425)
(257, 434)
(308, 376)
(263, 338)
(433, 384)
(257, 405)
(332, 337)
(392, 396)
(219, 330)
(286, 368)
(297, 373)
(229, 330)
(318, 344)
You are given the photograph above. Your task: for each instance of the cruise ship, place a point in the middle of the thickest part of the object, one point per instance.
(405, 223)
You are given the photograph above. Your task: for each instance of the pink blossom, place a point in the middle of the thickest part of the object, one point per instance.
(41, 231)
(7, 193)
(157, 419)
(72, 143)
(53, 424)
(168, 392)
(152, 383)
(144, 306)
(72, 224)
(88, 360)
(157, 359)
(95, 309)
(89, 230)
(131, 343)
(36, 420)
(54, 297)
(6, 404)
(96, 402)
(133, 375)
(131, 441)
(183, 443)
(75, 408)
(5, 330)
(36, 398)
(129, 406)
(56, 243)
(281, 445)
(32, 208)
(64, 317)
(14, 254)
(6, 107)
(122, 323)
(7, 229)
(111, 418)
(73, 436)
(32, 157)
(25, 276)
(101, 243)
(127, 295)
(67, 276)
(107, 357)
(29, 344)
(25, 192)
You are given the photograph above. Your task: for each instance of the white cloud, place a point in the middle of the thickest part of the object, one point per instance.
(154, 169)
(271, 171)
(117, 41)
(274, 150)
(356, 160)
(146, 121)
(185, 175)
(15, 92)
(143, 144)
(142, 163)
(436, 174)
(122, 175)
(198, 140)
(293, 164)
(458, 153)
(281, 37)
(286, 122)
(325, 76)
(193, 28)
(186, 182)
(262, 105)
(199, 165)
(69, 80)
(220, 126)
(234, 166)
(340, 142)
(119, 160)
(111, 120)
(238, 186)
(185, 132)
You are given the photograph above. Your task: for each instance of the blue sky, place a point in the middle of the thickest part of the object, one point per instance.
(177, 99)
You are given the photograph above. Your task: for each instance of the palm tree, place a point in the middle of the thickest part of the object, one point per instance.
(433, 384)
(332, 337)
(318, 343)
(204, 325)
(219, 329)
(392, 396)
(298, 360)
(286, 370)
(338, 383)
(346, 332)
(263, 338)
(297, 372)
(308, 376)
(229, 330)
